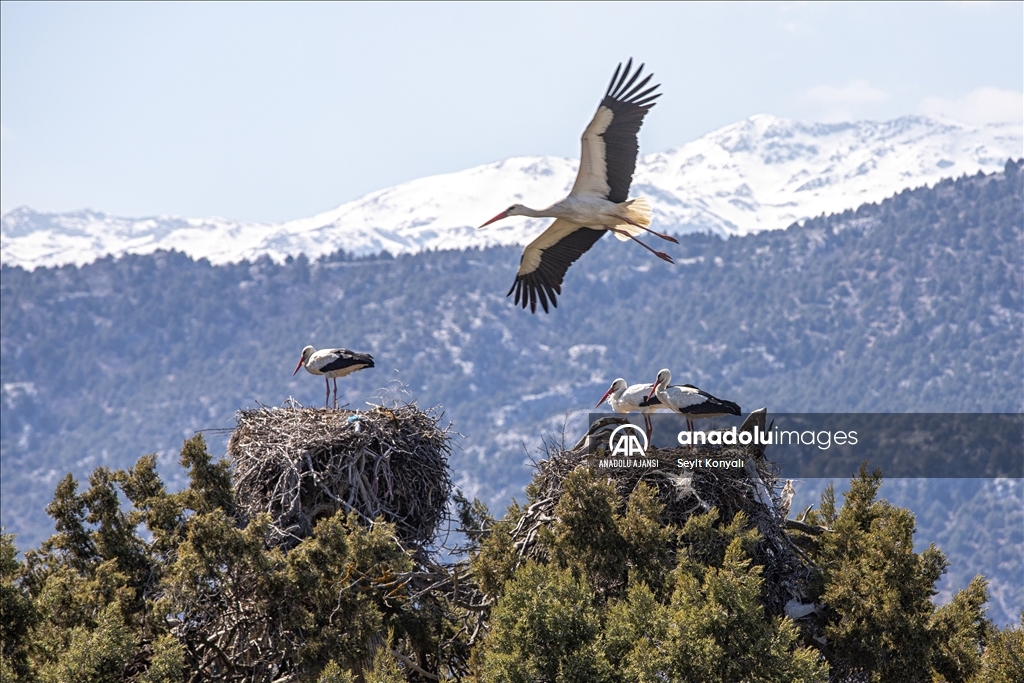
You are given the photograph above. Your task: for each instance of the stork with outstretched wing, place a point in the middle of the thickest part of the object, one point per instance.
(599, 200)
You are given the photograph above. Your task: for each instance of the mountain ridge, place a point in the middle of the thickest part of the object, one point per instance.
(762, 173)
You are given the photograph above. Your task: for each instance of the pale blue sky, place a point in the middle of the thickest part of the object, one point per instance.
(270, 112)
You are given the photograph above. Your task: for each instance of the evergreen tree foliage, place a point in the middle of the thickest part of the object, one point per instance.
(545, 628)
(1003, 659)
(168, 661)
(333, 673)
(881, 600)
(714, 627)
(385, 668)
(591, 614)
(720, 632)
(18, 615)
(145, 586)
(960, 632)
(98, 601)
(94, 653)
(879, 620)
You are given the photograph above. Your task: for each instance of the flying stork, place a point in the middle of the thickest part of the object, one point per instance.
(689, 401)
(599, 200)
(332, 364)
(632, 399)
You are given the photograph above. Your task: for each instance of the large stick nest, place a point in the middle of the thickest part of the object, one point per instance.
(302, 464)
(754, 490)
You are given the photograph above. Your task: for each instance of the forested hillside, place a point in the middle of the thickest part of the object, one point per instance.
(914, 304)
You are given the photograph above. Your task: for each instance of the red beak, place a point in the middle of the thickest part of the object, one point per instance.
(606, 394)
(654, 388)
(503, 214)
(298, 366)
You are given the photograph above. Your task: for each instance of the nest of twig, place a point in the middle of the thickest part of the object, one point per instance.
(302, 464)
(753, 489)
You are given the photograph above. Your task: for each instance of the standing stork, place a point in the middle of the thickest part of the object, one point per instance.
(332, 364)
(598, 201)
(689, 401)
(632, 399)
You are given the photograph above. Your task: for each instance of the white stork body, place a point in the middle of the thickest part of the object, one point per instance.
(584, 210)
(632, 399)
(332, 364)
(689, 401)
(598, 201)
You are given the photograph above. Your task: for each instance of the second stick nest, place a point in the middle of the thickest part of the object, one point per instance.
(753, 490)
(302, 464)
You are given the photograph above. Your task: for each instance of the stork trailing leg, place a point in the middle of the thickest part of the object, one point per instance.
(327, 399)
(660, 254)
(662, 235)
(637, 212)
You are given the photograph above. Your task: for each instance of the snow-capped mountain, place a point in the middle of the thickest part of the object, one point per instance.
(763, 173)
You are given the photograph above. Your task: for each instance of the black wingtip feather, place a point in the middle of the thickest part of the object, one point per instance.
(625, 74)
(636, 74)
(551, 295)
(649, 102)
(625, 89)
(611, 84)
(645, 93)
(632, 94)
(543, 298)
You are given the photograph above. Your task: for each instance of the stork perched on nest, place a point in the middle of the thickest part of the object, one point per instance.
(599, 200)
(332, 364)
(689, 401)
(632, 399)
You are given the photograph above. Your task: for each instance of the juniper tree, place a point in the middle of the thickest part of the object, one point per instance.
(201, 596)
(879, 618)
(590, 613)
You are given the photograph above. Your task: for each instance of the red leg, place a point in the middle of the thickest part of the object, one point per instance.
(660, 254)
(335, 393)
(327, 398)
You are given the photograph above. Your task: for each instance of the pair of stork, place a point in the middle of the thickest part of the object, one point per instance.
(685, 399)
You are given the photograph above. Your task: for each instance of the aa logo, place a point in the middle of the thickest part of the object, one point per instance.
(625, 443)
